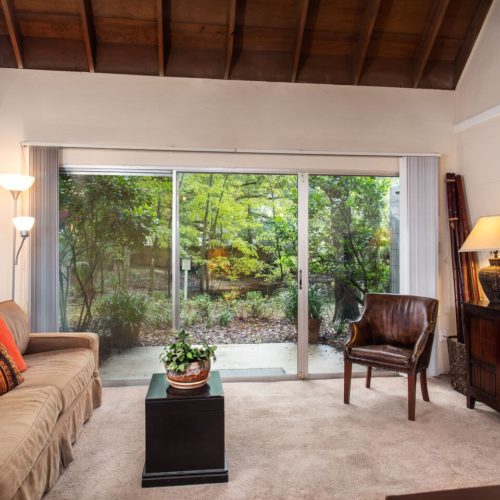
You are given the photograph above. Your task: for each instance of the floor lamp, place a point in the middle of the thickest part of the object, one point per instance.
(16, 184)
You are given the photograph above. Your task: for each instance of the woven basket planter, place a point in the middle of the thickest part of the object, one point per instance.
(458, 364)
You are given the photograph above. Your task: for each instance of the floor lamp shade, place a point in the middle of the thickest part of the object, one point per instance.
(485, 236)
(16, 183)
(23, 223)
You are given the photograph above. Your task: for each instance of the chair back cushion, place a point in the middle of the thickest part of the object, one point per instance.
(398, 319)
(17, 322)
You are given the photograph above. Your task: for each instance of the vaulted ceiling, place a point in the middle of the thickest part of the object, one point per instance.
(392, 43)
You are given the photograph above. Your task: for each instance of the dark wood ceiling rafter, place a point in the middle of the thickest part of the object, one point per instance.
(365, 35)
(433, 25)
(161, 39)
(472, 34)
(14, 34)
(88, 30)
(231, 26)
(389, 43)
(303, 8)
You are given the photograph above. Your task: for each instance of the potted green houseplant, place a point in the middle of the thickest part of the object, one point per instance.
(187, 366)
(317, 300)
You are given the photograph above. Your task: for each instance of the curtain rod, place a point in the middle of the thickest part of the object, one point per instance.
(174, 149)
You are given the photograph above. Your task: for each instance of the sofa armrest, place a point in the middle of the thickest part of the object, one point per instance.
(360, 334)
(42, 342)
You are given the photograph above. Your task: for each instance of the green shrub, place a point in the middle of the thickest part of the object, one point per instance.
(160, 313)
(317, 300)
(202, 304)
(225, 316)
(189, 316)
(255, 303)
(123, 314)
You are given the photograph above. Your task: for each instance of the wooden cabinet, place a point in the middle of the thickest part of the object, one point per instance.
(482, 340)
(184, 434)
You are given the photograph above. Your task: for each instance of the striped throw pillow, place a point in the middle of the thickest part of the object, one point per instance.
(10, 376)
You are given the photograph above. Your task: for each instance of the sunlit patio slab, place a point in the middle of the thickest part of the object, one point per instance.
(233, 360)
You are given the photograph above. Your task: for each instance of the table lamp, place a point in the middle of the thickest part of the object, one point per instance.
(485, 236)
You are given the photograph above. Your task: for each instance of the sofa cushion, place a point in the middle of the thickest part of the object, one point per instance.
(7, 339)
(68, 370)
(383, 353)
(17, 321)
(27, 419)
(10, 376)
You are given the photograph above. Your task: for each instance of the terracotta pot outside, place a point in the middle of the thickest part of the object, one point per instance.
(314, 326)
(194, 376)
(125, 337)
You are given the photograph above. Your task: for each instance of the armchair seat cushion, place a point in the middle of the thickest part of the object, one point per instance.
(383, 354)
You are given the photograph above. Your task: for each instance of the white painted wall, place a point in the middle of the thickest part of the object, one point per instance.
(478, 147)
(136, 111)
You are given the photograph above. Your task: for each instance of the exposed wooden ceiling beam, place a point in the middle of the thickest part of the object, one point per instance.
(472, 34)
(231, 22)
(88, 32)
(13, 29)
(365, 35)
(299, 37)
(160, 16)
(434, 21)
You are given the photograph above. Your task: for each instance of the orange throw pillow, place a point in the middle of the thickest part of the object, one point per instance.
(10, 376)
(7, 339)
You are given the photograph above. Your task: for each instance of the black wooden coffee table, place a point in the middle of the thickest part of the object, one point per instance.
(184, 434)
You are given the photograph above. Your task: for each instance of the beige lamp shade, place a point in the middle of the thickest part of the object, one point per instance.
(16, 182)
(484, 236)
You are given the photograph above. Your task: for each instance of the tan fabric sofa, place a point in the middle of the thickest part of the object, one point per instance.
(42, 418)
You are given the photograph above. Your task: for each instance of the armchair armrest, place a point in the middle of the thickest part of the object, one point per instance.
(360, 333)
(421, 342)
(42, 342)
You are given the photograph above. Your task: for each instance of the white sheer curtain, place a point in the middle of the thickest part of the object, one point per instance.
(419, 177)
(44, 205)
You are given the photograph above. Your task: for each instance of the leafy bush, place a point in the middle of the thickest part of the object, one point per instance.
(317, 300)
(202, 304)
(123, 314)
(225, 316)
(160, 313)
(255, 303)
(189, 316)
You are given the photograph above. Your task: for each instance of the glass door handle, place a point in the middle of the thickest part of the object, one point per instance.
(300, 279)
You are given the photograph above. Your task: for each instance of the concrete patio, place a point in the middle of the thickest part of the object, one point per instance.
(244, 360)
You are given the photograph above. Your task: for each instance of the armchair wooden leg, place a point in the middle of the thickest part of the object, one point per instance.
(423, 385)
(347, 380)
(412, 389)
(368, 377)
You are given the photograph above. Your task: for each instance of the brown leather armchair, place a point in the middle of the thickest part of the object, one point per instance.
(395, 332)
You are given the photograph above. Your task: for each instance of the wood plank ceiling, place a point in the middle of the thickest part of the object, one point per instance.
(391, 43)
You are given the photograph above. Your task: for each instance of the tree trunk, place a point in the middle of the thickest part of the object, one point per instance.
(126, 269)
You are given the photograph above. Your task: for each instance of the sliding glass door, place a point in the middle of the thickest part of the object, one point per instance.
(353, 250)
(268, 267)
(115, 264)
(238, 260)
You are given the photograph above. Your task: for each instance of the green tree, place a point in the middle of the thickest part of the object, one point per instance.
(101, 218)
(349, 237)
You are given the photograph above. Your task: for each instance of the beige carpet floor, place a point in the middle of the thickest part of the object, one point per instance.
(287, 440)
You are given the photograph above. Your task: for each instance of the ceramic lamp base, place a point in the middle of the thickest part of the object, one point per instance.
(489, 277)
